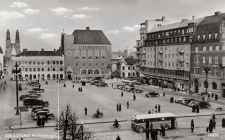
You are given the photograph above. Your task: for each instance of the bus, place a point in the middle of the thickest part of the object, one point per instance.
(168, 120)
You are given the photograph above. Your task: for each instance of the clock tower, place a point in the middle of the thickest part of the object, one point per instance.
(17, 42)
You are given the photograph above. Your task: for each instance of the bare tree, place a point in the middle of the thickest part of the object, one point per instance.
(68, 125)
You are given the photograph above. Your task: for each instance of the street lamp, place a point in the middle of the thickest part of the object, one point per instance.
(206, 69)
(82, 130)
(17, 101)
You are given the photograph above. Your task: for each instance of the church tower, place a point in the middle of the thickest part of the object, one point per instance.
(9, 45)
(17, 42)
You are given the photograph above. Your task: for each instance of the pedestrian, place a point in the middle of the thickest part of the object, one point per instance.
(213, 117)
(223, 122)
(43, 121)
(79, 89)
(85, 109)
(118, 138)
(161, 128)
(155, 110)
(210, 128)
(46, 118)
(46, 82)
(127, 104)
(120, 107)
(117, 107)
(38, 121)
(149, 112)
(122, 94)
(112, 84)
(163, 94)
(159, 107)
(192, 126)
(152, 135)
(164, 131)
(214, 124)
(156, 134)
(4, 88)
(198, 107)
(156, 106)
(134, 97)
(73, 86)
(64, 85)
(151, 126)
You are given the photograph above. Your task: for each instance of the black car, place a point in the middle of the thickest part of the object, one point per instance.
(25, 96)
(186, 101)
(38, 89)
(202, 104)
(136, 90)
(152, 94)
(32, 102)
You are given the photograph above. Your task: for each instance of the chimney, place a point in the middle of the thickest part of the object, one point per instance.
(163, 18)
(87, 28)
(42, 49)
(193, 17)
(183, 20)
(24, 50)
(217, 12)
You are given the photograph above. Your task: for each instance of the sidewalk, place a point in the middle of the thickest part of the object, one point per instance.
(183, 93)
(27, 126)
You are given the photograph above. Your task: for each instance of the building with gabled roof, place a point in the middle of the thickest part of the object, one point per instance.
(87, 54)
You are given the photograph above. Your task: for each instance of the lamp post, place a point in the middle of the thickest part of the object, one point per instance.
(17, 101)
(82, 130)
(206, 69)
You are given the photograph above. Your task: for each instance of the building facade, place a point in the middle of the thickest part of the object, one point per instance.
(42, 65)
(165, 55)
(208, 50)
(87, 54)
(10, 45)
(1, 62)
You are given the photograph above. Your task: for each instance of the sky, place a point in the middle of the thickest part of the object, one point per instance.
(41, 22)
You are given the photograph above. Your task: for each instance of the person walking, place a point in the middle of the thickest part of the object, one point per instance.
(122, 94)
(85, 109)
(120, 107)
(128, 104)
(159, 107)
(192, 126)
(149, 112)
(210, 128)
(39, 121)
(46, 118)
(73, 86)
(156, 134)
(223, 122)
(151, 126)
(43, 121)
(134, 97)
(163, 94)
(4, 88)
(198, 107)
(214, 124)
(64, 85)
(213, 117)
(118, 138)
(81, 89)
(117, 107)
(156, 106)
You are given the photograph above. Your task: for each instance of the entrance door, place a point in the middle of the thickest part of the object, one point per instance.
(196, 86)
(172, 123)
(69, 76)
(223, 93)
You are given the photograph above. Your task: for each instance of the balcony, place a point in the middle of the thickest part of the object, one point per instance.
(160, 59)
(180, 51)
(180, 59)
(180, 68)
(160, 51)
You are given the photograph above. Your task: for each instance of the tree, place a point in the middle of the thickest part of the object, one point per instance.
(69, 127)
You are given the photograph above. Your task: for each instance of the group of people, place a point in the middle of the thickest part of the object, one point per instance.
(80, 89)
(118, 107)
(195, 108)
(171, 99)
(41, 121)
(157, 109)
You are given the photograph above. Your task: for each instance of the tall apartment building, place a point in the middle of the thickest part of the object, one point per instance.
(87, 54)
(208, 50)
(165, 54)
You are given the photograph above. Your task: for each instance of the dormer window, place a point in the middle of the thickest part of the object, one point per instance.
(216, 34)
(210, 36)
(203, 37)
(198, 37)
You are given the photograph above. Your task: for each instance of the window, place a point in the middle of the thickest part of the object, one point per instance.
(38, 69)
(53, 69)
(61, 69)
(187, 55)
(204, 48)
(123, 68)
(133, 67)
(61, 62)
(53, 62)
(26, 69)
(83, 64)
(203, 37)
(76, 64)
(198, 37)
(210, 59)
(83, 57)
(167, 33)
(89, 64)
(210, 48)
(42, 69)
(96, 57)
(57, 62)
(48, 69)
(103, 64)
(203, 59)
(214, 86)
(216, 34)
(30, 69)
(216, 72)
(34, 62)
(190, 30)
(217, 48)
(210, 36)
(128, 67)
(38, 63)
(216, 59)
(182, 31)
(34, 69)
(30, 63)
(172, 55)
(76, 57)
(96, 64)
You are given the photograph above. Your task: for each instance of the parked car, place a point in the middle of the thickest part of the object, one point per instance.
(30, 83)
(32, 102)
(179, 100)
(38, 89)
(35, 84)
(36, 107)
(25, 96)
(152, 94)
(186, 101)
(202, 104)
(94, 81)
(38, 110)
(130, 89)
(192, 103)
(43, 113)
(136, 90)
(34, 93)
(138, 83)
(102, 84)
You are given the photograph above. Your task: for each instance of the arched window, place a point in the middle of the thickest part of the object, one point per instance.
(30, 69)
(38, 69)
(196, 49)
(30, 63)
(90, 71)
(89, 57)
(133, 74)
(133, 67)
(48, 62)
(48, 69)
(53, 62)
(83, 57)
(42, 69)
(42, 62)
(214, 86)
(123, 68)
(210, 48)
(34, 62)
(34, 69)
(96, 57)
(61, 69)
(205, 84)
(38, 63)
(128, 67)
(217, 48)
(83, 72)
(128, 74)
(26, 69)
(57, 62)
(204, 48)
(53, 69)
(96, 71)
(61, 62)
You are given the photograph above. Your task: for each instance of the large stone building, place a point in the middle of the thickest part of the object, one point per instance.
(208, 50)
(164, 57)
(43, 65)
(87, 54)
(10, 45)
(1, 62)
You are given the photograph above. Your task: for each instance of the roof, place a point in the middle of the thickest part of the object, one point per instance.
(157, 115)
(90, 37)
(175, 25)
(40, 53)
(130, 61)
(213, 19)
(1, 50)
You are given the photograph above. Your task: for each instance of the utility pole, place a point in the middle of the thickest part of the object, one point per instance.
(17, 101)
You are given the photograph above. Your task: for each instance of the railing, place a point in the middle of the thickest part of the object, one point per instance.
(180, 68)
(180, 59)
(160, 51)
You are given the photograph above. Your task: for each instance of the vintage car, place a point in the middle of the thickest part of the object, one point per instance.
(36, 107)
(130, 89)
(43, 114)
(136, 90)
(202, 104)
(25, 96)
(38, 90)
(94, 82)
(186, 101)
(152, 94)
(192, 103)
(179, 100)
(32, 102)
(38, 110)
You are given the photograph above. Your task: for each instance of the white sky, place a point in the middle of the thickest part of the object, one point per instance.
(41, 22)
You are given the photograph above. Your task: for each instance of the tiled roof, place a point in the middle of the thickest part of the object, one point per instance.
(213, 19)
(1, 50)
(130, 61)
(90, 37)
(40, 53)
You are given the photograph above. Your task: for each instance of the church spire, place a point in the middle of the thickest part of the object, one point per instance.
(7, 35)
(17, 35)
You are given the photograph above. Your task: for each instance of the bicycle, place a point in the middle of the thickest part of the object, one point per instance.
(219, 109)
(114, 127)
